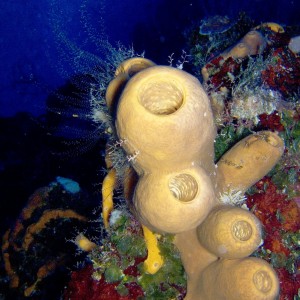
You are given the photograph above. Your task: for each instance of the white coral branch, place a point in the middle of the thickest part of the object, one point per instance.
(233, 197)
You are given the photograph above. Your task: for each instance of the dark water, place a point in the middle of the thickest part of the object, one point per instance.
(29, 43)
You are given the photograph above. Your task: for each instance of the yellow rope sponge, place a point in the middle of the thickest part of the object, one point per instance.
(108, 187)
(84, 243)
(154, 259)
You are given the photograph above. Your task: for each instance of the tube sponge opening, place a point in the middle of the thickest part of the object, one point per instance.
(161, 97)
(183, 187)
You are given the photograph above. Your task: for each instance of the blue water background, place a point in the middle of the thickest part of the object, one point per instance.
(29, 45)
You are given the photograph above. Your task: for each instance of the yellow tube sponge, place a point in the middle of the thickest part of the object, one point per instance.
(249, 160)
(245, 279)
(160, 112)
(230, 232)
(114, 90)
(166, 126)
(273, 26)
(133, 65)
(124, 72)
(173, 187)
(174, 202)
(252, 43)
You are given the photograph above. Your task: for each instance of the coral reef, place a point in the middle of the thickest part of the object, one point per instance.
(37, 248)
(151, 169)
(255, 93)
(280, 217)
(255, 76)
(211, 36)
(118, 272)
(251, 44)
(201, 194)
(284, 75)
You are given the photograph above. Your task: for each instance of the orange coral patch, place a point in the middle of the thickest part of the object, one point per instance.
(47, 216)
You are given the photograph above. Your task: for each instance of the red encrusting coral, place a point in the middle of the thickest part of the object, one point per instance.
(271, 121)
(289, 284)
(284, 74)
(276, 39)
(273, 208)
(279, 216)
(220, 71)
(274, 243)
(83, 287)
(266, 203)
(290, 215)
